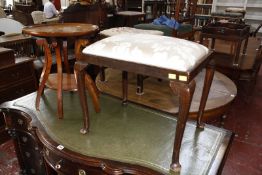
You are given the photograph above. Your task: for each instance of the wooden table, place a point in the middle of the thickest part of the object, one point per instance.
(108, 53)
(234, 33)
(55, 34)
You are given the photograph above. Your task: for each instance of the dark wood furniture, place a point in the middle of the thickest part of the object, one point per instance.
(16, 79)
(6, 57)
(181, 82)
(23, 17)
(55, 34)
(236, 36)
(154, 9)
(183, 11)
(130, 140)
(126, 17)
(23, 45)
(92, 14)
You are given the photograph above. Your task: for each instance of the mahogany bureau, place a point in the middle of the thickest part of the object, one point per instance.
(16, 79)
(130, 140)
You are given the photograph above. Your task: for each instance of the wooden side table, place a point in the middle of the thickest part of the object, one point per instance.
(235, 33)
(55, 34)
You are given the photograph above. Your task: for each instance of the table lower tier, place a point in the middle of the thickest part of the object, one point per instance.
(158, 95)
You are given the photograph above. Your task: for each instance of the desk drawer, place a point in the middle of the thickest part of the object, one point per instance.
(16, 73)
(18, 90)
(64, 165)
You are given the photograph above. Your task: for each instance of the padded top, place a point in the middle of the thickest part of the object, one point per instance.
(10, 26)
(130, 13)
(131, 134)
(128, 30)
(152, 50)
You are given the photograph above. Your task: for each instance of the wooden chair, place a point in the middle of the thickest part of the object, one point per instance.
(183, 11)
(24, 18)
(2, 13)
(125, 17)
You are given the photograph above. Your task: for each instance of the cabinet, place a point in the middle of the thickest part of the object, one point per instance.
(253, 9)
(16, 80)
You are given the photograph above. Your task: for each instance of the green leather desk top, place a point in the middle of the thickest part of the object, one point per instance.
(131, 134)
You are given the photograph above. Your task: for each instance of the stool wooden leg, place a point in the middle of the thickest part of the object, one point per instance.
(185, 92)
(80, 78)
(140, 85)
(206, 87)
(93, 92)
(45, 73)
(124, 86)
(59, 79)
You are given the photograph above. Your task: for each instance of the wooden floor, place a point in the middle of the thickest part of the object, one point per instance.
(157, 93)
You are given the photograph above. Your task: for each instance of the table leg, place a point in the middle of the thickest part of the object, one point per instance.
(80, 79)
(124, 86)
(65, 55)
(45, 73)
(185, 92)
(140, 85)
(207, 84)
(57, 47)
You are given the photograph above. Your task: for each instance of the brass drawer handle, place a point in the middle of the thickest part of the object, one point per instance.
(81, 172)
(58, 164)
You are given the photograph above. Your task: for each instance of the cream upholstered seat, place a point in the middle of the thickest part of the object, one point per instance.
(38, 17)
(128, 30)
(154, 50)
(10, 26)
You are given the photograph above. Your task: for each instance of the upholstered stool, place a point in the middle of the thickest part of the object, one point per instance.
(173, 59)
(128, 30)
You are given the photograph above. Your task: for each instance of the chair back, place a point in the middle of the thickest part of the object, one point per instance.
(23, 17)
(2, 13)
(38, 17)
(184, 10)
(94, 14)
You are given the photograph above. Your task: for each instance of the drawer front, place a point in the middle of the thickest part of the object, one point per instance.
(18, 90)
(66, 166)
(15, 73)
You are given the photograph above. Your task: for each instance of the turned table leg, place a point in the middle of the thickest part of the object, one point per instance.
(124, 86)
(45, 73)
(185, 92)
(80, 79)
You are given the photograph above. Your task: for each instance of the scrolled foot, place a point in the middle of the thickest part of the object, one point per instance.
(83, 131)
(175, 167)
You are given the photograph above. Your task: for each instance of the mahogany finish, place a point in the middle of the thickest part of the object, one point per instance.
(55, 34)
(16, 79)
(235, 33)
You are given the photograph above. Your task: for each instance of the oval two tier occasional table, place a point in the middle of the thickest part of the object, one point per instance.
(158, 95)
(55, 35)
